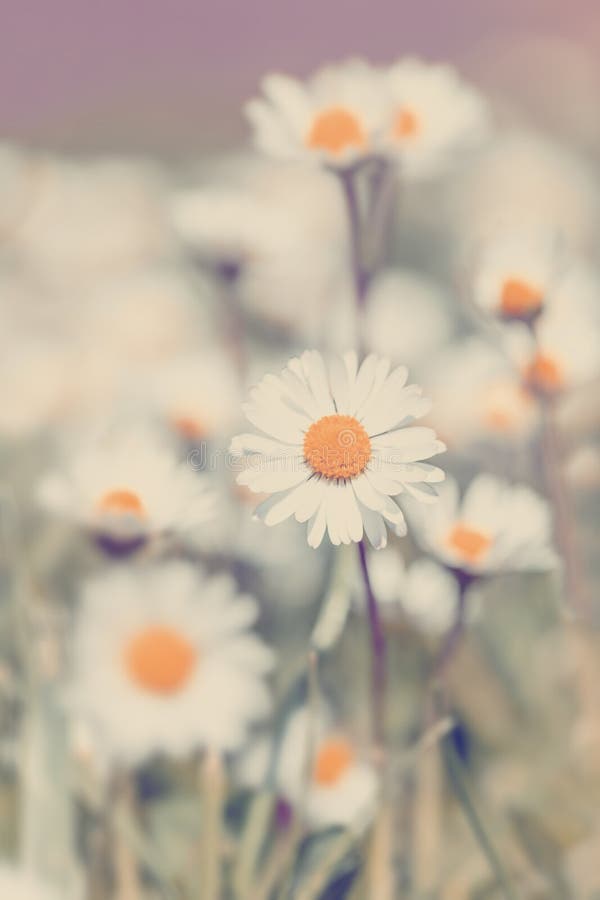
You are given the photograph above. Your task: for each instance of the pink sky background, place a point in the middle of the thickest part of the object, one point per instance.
(172, 75)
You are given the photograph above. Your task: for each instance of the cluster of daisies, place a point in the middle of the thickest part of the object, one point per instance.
(207, 291)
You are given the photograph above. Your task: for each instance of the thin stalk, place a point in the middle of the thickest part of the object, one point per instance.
(557, 489)
(378, 655)
(462, 791)
(455, 633)
(127, 875)
(212, 779)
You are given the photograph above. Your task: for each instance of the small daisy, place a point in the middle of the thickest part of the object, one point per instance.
(406, 316)
(20, 884)
(479, 397)
(127, 488)
(197, 396)
(336, 118)
(515, 274)
(173, 647)
(339, 788)
(496, 527)
(425, 592)
(435, 116)
(337, 446)
(564, 353)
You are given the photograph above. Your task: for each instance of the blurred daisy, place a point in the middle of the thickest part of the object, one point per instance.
(197, 396)
(425, 592)
(479, 397)
(94, 217)
(406, 316)
(496, 527)
(127, 488)
(335, 118)
(20, 884)
(337, 788)
(515, 274)
(564, 353)
(338, 446)
(435, 116)
(174, 647)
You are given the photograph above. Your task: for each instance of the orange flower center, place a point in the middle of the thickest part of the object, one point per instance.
(406, 124)
(469, 543)
(503, 405)
(544, 374)
(123, 501)
(519, 298)
(337, 447)
(334, 757)
(335, 130)
(160, 660)
(188, 427)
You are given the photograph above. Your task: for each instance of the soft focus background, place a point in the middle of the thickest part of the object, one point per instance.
(121, 302)
(171, 78)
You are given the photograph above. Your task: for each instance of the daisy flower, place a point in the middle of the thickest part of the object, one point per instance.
(197, 396)
(338, 789)
(495, 528)
(424, 591)
(20, 884)
(564, 352)
(406, 316)
(435, 116)
(127, 488)
(173, 646)
(337, 446)
(479, 397)
(515, 274)
(336, 118)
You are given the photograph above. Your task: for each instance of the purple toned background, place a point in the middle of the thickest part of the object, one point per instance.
(172, 76)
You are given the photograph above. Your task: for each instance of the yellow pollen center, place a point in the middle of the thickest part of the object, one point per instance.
(122, 501)
(503, 406)
(406, 124)
(544, 374)
(334, 757)
(337, 447)
(469, 543)
(188, 427)
(336, 130)
(160, 660)
(519, 298)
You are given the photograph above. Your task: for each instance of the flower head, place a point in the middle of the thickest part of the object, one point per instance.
(127, 488)
(335, 118)
(435, 116)
(173, 646)
(479, 397)
(337, 445)
(516, 273)
(495, 528)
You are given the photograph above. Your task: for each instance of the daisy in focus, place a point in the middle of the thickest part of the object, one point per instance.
(516, 273)
(479, 398)
(496, 527)
(338, 787)
(336, 118)
(435, 116)
(174, 647)
(20, 884)
(337, 446)
(126, 489)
